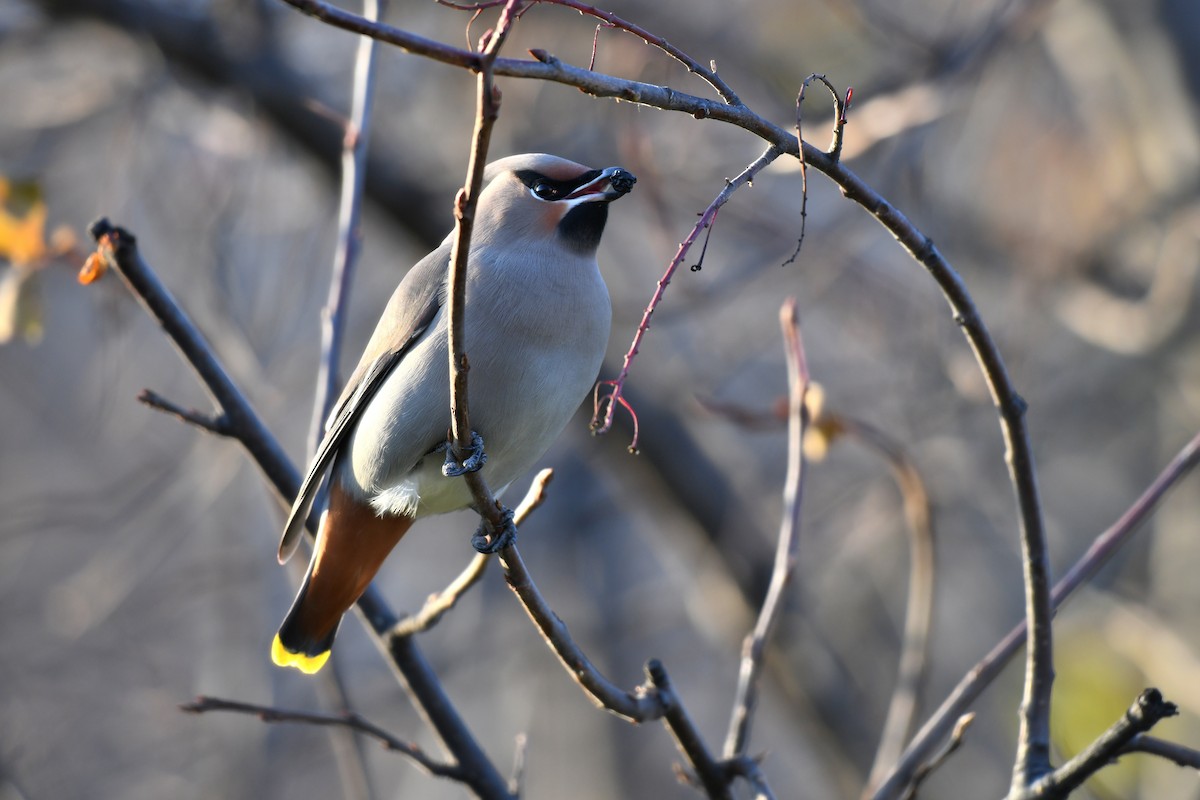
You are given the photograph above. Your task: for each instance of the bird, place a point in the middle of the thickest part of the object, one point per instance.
(537, 317)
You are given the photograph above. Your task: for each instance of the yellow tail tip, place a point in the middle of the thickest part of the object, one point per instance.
(307, 664)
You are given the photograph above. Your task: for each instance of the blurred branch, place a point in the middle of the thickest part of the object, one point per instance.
(754, 647)
(952, 744)
(349, 235)
(984, 672)
(918, 614)
(825, 427)
(217, 424)
(1177, 753)
(118, 249)
(352, 721)
(1147, 711)
(712, 776)
(333, 326)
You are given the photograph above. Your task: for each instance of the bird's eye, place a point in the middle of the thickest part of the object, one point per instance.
(544, 191)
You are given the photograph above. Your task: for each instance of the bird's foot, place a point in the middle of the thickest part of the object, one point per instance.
(488, 540)
(474, 461)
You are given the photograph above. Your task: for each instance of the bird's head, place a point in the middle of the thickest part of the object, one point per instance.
(535, 194)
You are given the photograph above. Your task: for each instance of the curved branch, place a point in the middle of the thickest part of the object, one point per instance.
(983, 673)
(754, 647)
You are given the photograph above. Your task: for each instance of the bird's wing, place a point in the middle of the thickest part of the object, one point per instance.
(405, 320)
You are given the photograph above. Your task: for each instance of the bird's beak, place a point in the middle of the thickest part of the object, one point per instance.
(610, 184)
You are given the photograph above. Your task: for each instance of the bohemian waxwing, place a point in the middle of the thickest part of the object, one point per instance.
(537, 321)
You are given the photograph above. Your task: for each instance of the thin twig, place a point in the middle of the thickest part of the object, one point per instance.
(918, 615)
(952, 744)
(1147, 711)
(754, 647)
(835, 149)
(349, 235)
(983, 673)
(613, 395)
(118, 249)
(213, 423)
(353, 722)
(333, 326)
(439, 603)
(1181, 755)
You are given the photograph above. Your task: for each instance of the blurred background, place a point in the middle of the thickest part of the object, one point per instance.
(1049, 148)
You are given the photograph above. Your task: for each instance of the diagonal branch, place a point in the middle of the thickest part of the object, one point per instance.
(1147, 711)
(351, 721)
(118, 249)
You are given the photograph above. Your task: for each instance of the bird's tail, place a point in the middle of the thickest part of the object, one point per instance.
(351, 546)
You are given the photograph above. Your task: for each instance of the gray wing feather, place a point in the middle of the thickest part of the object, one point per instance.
(411, 309)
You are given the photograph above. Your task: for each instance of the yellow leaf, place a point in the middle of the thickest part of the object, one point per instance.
(22, 224)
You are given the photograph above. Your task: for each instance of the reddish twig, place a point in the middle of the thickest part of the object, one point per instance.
(608, 401)
(1147, 711)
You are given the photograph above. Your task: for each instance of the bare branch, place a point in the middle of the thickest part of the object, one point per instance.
(1147, 711)
(754, 647)
(952, 744)
(918, 615)
(487, 109)
(1179, 754)
(118, 249)
(636, 706)
(984, 672)
(213, 424)
(354, 722)
(349, 235)
(441, 602)
(712, 776)
(1033, 752)
(835, 149)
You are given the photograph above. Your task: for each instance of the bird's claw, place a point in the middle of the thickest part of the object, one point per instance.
(488, 540)
(474, 461)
